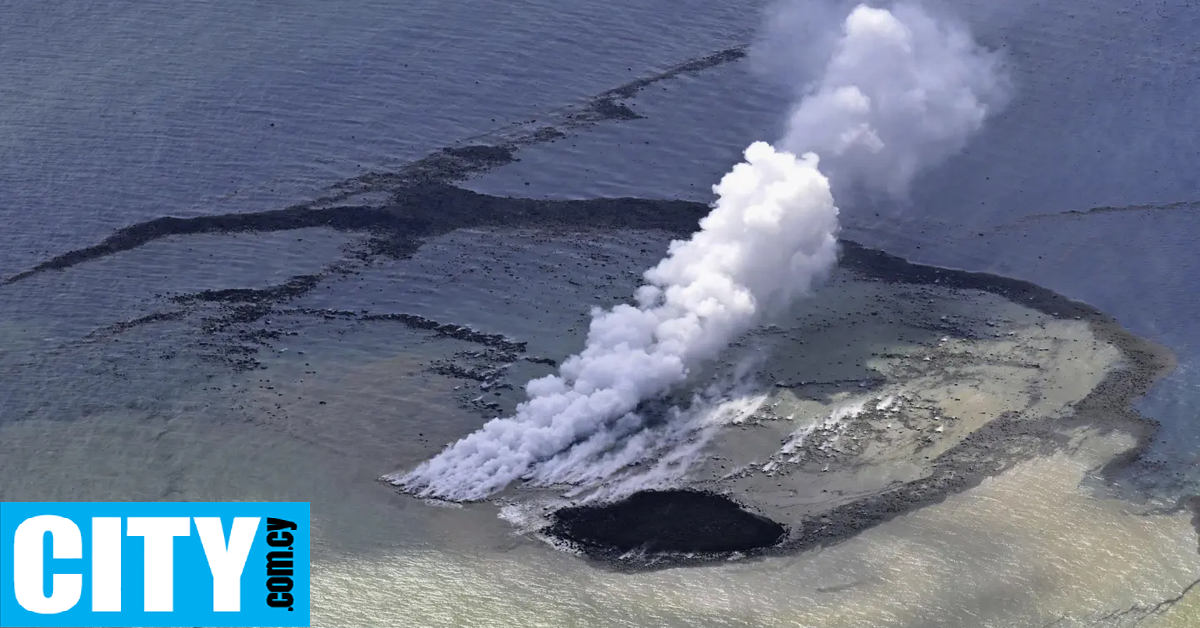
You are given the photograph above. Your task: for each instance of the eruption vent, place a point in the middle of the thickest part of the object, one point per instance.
(899, 92)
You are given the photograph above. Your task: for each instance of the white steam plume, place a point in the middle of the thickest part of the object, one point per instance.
(899, 92)
(770, 236)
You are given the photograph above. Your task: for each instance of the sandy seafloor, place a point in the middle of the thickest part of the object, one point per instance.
(234, 108)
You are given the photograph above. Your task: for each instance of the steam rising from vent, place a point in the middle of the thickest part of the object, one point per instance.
(770, 237)
(899, 92)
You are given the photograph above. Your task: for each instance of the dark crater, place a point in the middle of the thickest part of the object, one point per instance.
(673, 522)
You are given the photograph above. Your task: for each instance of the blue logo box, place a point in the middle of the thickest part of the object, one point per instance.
(127, 564)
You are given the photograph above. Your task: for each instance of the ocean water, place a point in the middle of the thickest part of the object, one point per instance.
(112, 113)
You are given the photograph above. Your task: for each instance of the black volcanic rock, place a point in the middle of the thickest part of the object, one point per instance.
(666, 521)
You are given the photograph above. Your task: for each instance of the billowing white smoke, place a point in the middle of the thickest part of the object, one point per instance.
(771, 236)
(900, 92)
